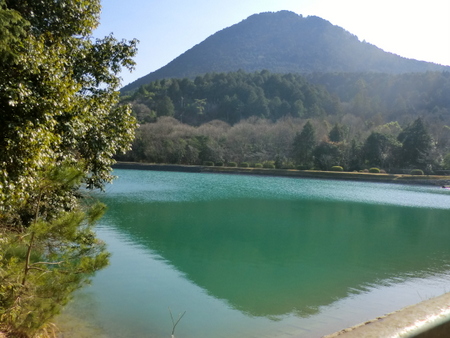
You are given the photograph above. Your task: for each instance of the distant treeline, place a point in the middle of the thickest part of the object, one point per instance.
(356, 121)
(231, 97)
(293, 143)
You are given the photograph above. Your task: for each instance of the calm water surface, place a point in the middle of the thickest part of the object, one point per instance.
(249, 256)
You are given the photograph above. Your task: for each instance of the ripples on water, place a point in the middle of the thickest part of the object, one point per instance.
(169, 186)
(250, 256)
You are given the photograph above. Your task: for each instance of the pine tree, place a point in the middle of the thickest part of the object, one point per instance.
(336, 133)
(303, 145)
(43, 263)
(416, 144)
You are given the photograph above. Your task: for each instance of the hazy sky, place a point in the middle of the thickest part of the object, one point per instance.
(418, 29)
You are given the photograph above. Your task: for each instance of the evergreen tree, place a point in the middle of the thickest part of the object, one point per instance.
(336, 133)
(416, 144)
(303, 145)
(326, 155)
(165, 107)
(354, 159)
(380, 150)
(43, 263)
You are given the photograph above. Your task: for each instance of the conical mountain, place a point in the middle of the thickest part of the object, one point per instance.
(284, 42)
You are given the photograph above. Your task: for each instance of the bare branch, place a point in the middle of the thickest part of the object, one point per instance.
(48, 263)
(175, 323)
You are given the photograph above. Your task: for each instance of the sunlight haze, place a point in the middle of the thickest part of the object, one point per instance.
(412, 29)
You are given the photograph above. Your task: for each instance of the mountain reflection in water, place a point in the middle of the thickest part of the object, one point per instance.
(270, 257)
(250, 256)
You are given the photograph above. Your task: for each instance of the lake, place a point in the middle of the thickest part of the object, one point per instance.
(251, 256)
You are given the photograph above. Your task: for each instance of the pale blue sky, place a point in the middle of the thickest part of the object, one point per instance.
(418, 29)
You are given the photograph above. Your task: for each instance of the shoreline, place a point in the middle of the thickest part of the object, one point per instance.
(427, 319)
(430, 180)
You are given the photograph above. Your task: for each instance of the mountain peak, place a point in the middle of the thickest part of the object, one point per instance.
(284, 42)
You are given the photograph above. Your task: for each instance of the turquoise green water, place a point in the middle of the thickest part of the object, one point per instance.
(249, 256)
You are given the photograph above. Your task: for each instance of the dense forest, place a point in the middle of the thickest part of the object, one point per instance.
(353, 120)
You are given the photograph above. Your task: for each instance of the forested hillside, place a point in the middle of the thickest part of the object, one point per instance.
(353, 120)
(231, 97)
(284, 42)
(239, 96)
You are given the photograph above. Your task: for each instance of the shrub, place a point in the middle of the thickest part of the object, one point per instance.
(302, 167)
(269, 165)
(243, 165)
(219, 164)
(258, 165)
(337, 168)
(232, 164)
(374, 170)
(288, 166)
(416, 172)
(208, 163)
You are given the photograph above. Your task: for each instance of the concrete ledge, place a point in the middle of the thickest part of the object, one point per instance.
(334, 175)
(428, 319)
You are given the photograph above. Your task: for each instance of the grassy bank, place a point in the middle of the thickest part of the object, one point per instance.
(434, 180)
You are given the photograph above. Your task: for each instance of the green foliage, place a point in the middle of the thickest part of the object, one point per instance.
(143, 114)
(336, 168)
(231, 164)
(374, 170)
(362, 103)
(12, 30)
(393, 97)
(60, 126)
(381, 149)
(258, 165)
(447, 161)
(416, 172)
(253, 136)
(43, 263)
(244, 165)
(58, 97)
(416, 143)
(258, 140)
(354, 159)
(233, 96)
(303, 145)
(288, 165)
(165, 107)
(208, 163)
(391, 128)
(326, 154)
(218, 164)
(336, 133)
(269, 165)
